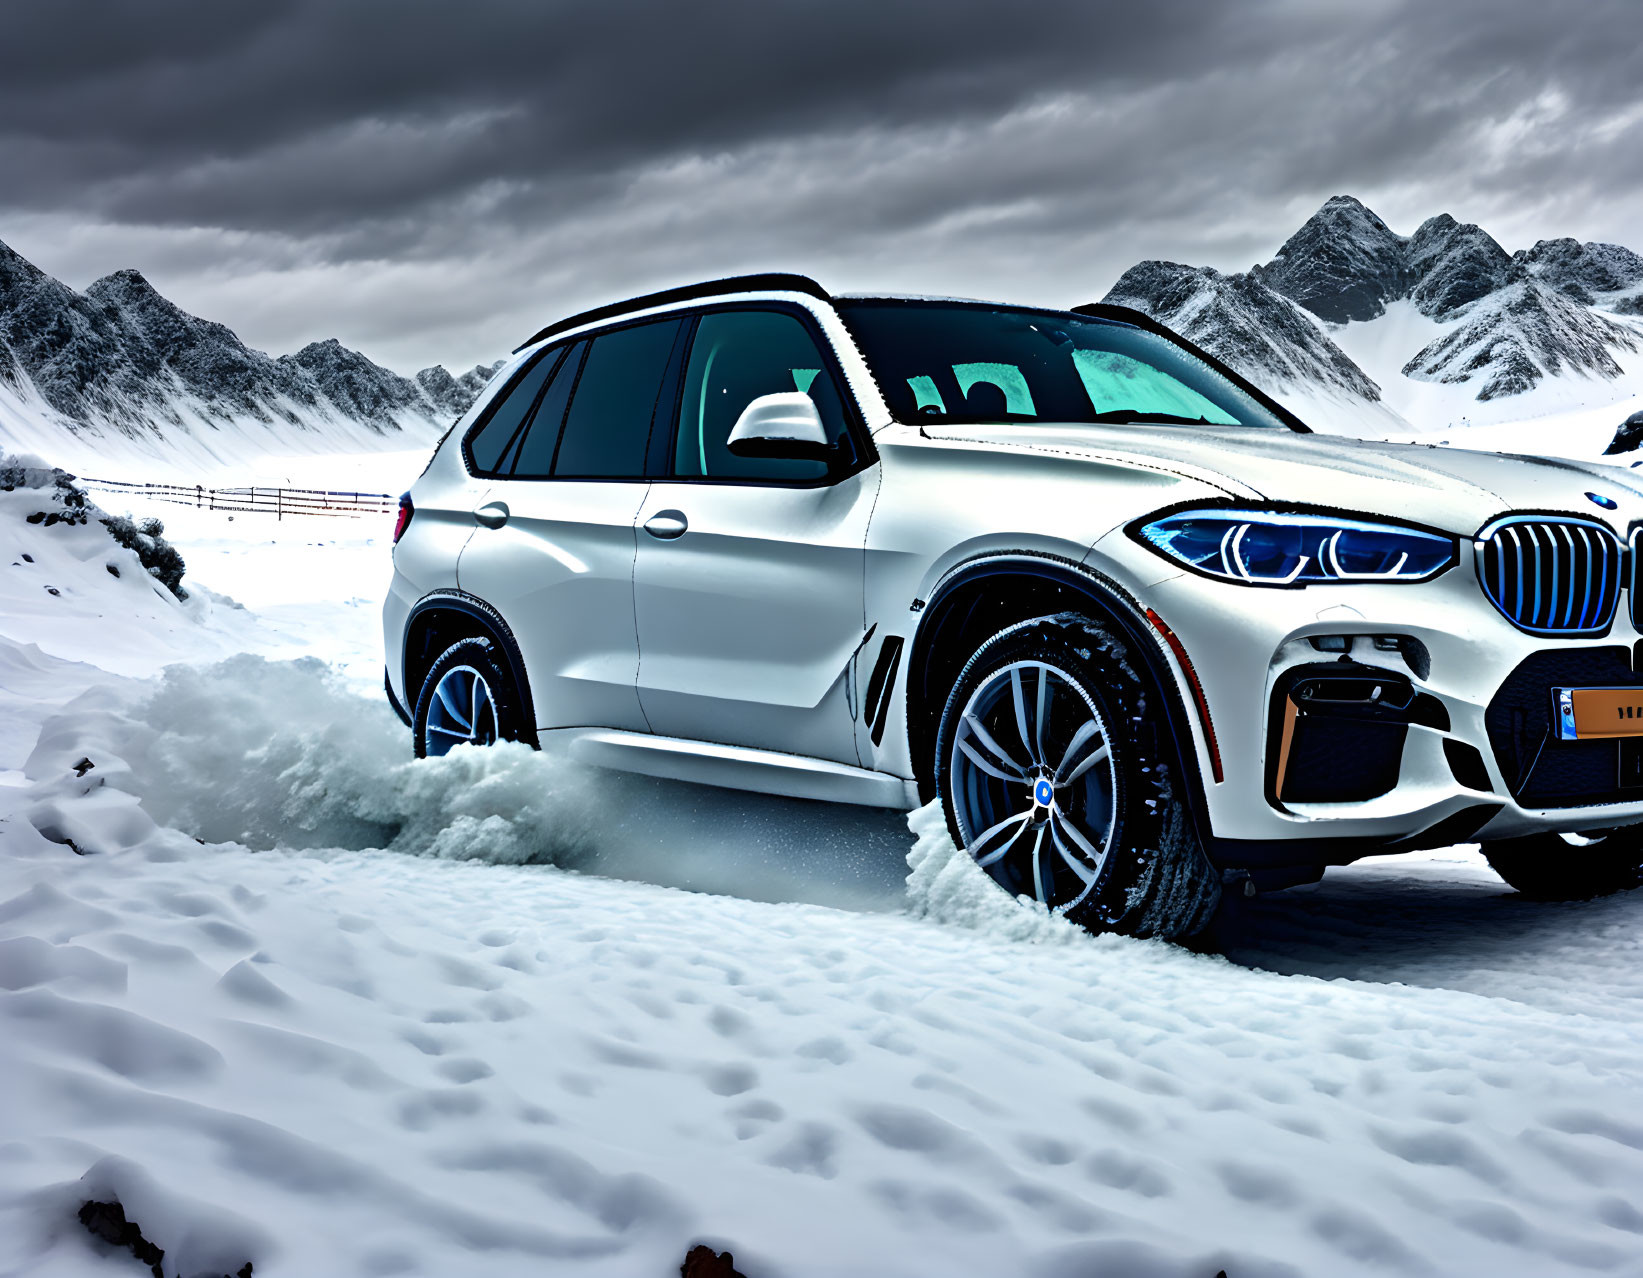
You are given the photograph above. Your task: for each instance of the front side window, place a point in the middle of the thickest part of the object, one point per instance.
(736, 357)
(972, 363)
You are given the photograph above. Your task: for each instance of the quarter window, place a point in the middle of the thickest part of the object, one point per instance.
(534, 456)
(490, 444)
(736, 357)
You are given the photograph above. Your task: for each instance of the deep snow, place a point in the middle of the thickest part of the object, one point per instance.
(307, 1002)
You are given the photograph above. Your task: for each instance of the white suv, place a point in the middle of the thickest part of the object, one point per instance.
(1141, 631)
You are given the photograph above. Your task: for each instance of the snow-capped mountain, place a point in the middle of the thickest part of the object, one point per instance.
(122, 365)
(1513, 337)
(1343, 264)
(1435, 328)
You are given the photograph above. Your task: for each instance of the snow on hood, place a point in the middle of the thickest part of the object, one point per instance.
(1451, 488)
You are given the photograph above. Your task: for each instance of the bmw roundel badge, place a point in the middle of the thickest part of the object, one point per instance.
(1598, 499)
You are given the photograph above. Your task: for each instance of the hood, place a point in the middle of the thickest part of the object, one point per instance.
(1456, 489)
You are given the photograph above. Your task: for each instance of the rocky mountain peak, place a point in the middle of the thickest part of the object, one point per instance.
(455, 394)
(1343, 264)
(361, 388)
(1452, 264)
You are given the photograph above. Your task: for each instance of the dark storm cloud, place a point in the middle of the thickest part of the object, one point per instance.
(601, 145)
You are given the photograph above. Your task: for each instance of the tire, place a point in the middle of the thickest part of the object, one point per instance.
(1552, 867)
(468, 698)
(1072, 807)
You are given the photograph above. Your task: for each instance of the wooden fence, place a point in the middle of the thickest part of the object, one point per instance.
(278, 502)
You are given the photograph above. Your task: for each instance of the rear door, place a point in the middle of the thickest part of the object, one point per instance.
(554, 552)
(749, 576)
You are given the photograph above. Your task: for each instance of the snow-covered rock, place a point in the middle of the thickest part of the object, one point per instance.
(1343, 264)
(1627, 436)
(1511, 339)
(1243, 323)
(1580, 269)
(1453, 265)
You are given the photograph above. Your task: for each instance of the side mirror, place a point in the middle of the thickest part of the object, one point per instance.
(784, 425)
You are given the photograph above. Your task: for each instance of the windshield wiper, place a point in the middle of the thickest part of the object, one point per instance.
(1124, 416)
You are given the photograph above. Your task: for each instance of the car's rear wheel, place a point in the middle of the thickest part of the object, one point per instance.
(1557, 867)
(1048, 769)
(468, 698)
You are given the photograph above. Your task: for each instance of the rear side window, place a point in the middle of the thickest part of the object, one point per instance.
(534, 457)
(736, 357)
(608, 427)
(490, 443)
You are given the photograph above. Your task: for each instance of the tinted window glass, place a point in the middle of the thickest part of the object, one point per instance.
(534, 459)
(965, 362)
(609, 422)
(512, 408)
(738, 356)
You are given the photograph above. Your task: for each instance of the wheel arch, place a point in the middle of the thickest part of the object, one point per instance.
(977, 599)
(442, 618)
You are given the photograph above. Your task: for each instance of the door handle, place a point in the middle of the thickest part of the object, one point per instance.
(665, 525)
(493, 514)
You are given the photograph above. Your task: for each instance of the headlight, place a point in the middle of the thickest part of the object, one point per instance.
(1270, 548)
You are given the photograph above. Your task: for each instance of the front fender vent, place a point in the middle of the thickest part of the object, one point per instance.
(1551, 576)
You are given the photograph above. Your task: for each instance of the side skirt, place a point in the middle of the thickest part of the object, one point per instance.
(735, 767)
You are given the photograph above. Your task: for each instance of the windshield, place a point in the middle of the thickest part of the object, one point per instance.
(963, 362)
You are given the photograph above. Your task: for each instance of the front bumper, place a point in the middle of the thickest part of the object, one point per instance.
(1482, 690)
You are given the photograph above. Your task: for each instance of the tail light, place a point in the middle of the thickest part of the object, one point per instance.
(402, 521)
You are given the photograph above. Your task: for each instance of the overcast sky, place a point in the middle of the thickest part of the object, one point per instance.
(433, 182)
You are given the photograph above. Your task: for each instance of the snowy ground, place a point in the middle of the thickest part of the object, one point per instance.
(307, 1002)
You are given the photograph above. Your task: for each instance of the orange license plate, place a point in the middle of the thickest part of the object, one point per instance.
(1585, 714)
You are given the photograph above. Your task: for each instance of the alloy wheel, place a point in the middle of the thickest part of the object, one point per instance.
(1035, 783)
(462, 712)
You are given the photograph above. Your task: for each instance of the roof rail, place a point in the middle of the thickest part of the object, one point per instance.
(770, 282)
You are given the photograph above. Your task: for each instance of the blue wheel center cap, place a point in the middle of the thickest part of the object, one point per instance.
(1042, 793)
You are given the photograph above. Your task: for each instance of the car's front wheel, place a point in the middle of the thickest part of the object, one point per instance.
(1048, 768)
(468, 698)
(1557, 867)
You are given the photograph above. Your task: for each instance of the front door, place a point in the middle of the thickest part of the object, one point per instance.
(748, 586)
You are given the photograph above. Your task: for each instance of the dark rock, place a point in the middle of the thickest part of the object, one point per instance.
(1343, 264)
(1243, 323)
(703, 1262)
(1453, 265)
(1627, 436)
(108, 1222)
